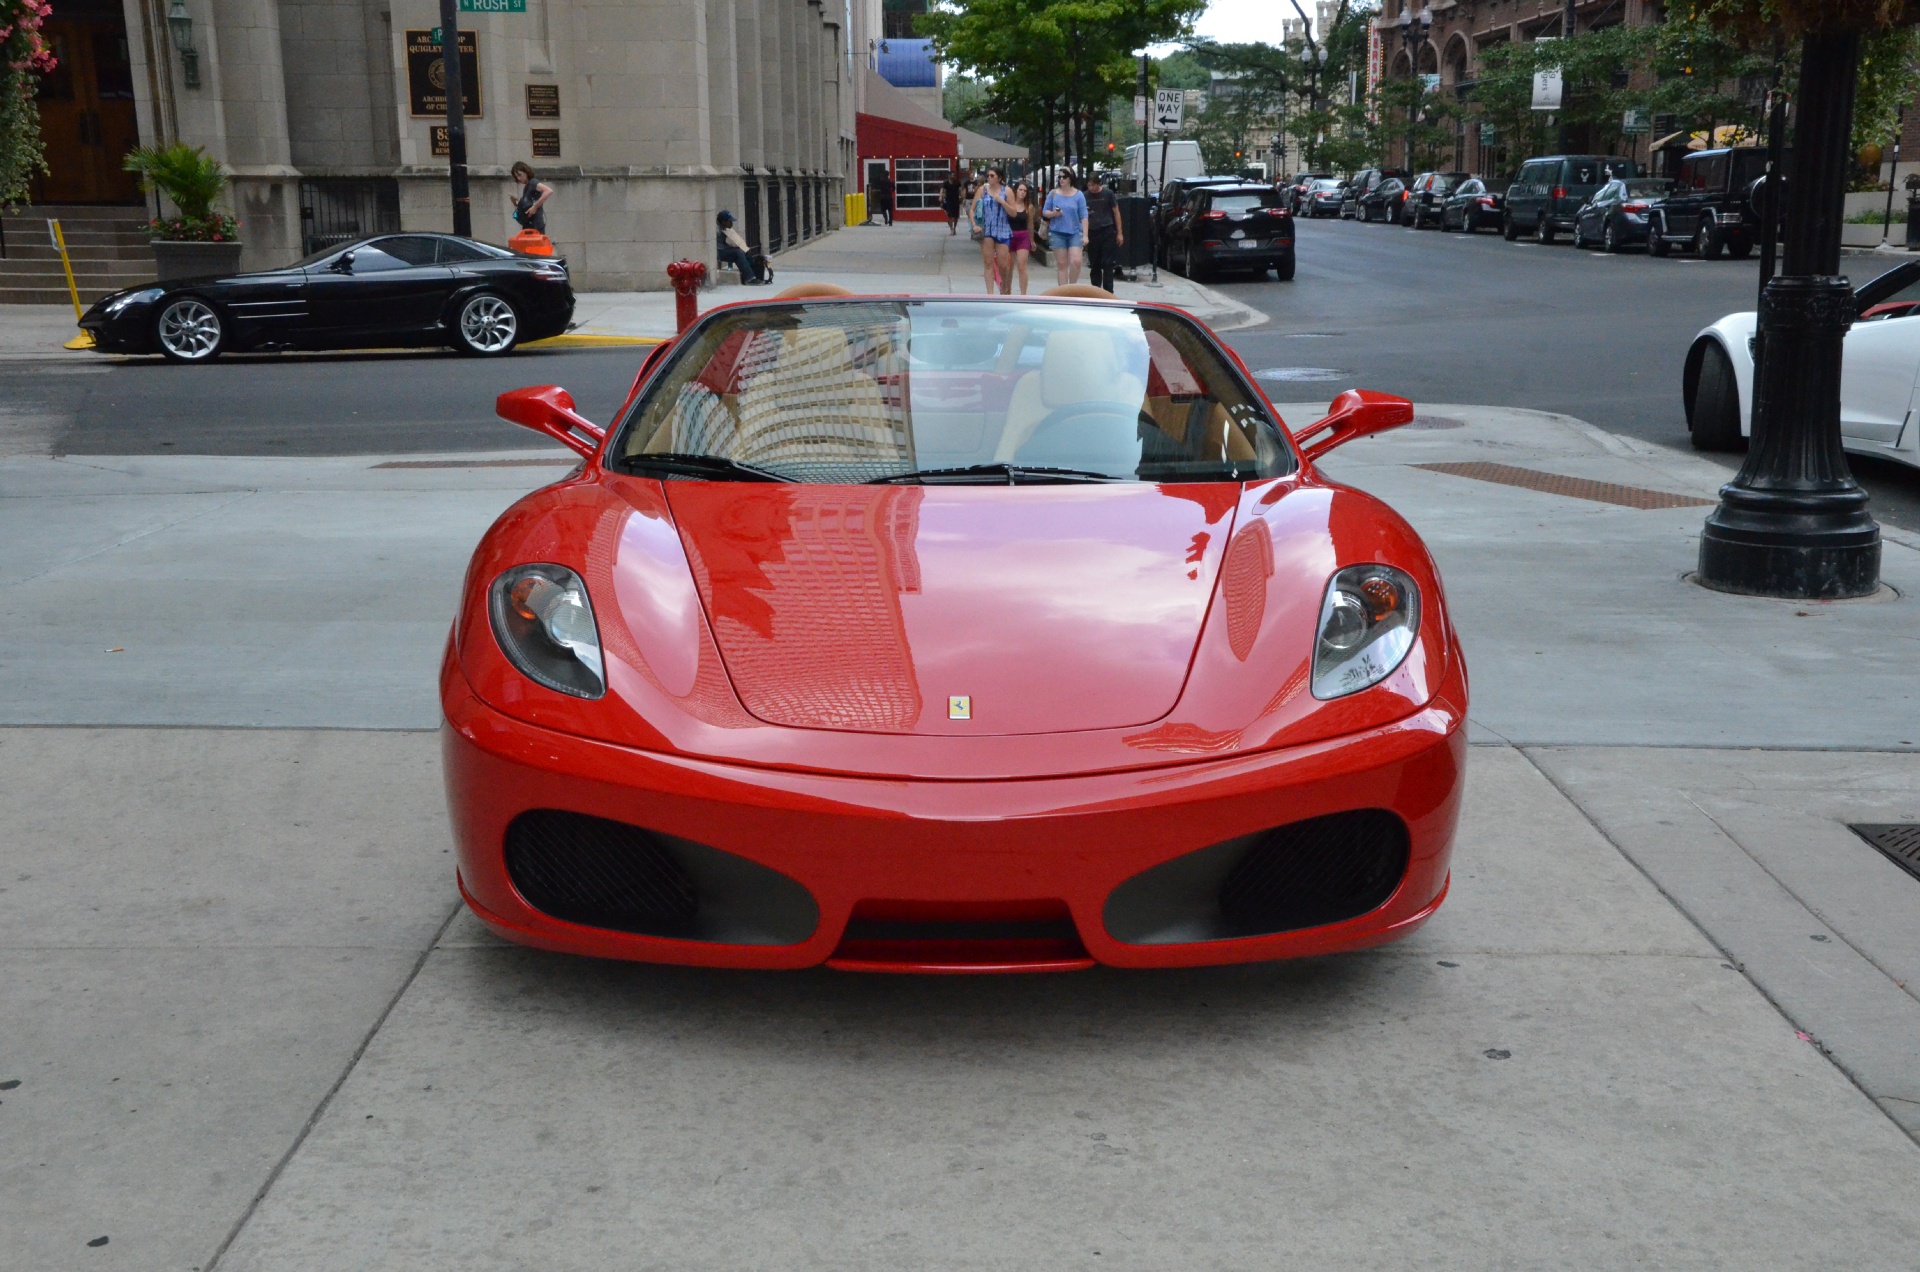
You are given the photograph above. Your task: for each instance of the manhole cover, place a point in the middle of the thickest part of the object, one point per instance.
(1296, 374)
(1899, 841)
(1436, 421)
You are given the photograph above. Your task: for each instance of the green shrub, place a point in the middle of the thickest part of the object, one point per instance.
(191, 180)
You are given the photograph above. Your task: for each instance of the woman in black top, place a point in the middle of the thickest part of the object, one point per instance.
(950, 201)
(1019, 206)
(528, 209)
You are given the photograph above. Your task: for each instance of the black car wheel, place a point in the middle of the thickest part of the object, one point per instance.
(1508, 230)
(487, 326)
(1284, 270)
(1544, 230)
(1707, 244)
(1579, 233)
(188, 330)
(1610, 238)
(1714, 420)
(1467, 223)
(1657, 244)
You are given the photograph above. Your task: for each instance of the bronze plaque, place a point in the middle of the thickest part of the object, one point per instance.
(543, 101)
(442, 147)
(427, 75)
(546, 143)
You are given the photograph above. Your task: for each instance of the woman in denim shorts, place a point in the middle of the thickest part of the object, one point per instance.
(1066, 214)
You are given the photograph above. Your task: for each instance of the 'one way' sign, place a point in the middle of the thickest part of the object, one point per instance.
(1169, 104)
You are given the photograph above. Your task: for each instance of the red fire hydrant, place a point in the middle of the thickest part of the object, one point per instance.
(687, 277)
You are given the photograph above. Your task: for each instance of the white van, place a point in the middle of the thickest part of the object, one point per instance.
(1143, 164)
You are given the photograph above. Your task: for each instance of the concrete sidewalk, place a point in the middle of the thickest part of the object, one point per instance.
(1668, 1015)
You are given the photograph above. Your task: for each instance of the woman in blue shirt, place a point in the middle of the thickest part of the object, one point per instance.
(1066, 214)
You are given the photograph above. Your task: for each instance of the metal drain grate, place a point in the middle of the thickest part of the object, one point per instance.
(1572, 487)
(1899, 841)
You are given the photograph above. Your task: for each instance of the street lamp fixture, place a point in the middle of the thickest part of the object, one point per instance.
(180, 27)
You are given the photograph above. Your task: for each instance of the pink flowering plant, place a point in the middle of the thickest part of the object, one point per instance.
(24, 58)
(191, 180)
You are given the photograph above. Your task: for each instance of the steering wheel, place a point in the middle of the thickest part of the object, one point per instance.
(1061, 439)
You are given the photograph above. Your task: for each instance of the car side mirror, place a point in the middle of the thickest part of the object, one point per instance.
(1355, 413)
(342, 265)
(548, 408)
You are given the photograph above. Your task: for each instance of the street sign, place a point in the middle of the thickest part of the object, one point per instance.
(1636, 121)
(1139, 110)
(1488, 134)
(1169, 105)
(493, 6)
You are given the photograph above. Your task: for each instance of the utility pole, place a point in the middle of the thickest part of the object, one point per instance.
(456, 117)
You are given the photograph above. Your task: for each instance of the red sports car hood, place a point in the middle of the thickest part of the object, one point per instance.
(952, 610)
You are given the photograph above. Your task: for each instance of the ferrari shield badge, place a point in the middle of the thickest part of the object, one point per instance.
(960, 707)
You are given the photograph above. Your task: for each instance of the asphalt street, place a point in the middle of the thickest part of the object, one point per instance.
(1443, 317)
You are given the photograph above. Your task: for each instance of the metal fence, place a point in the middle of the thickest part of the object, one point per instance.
(333, 212)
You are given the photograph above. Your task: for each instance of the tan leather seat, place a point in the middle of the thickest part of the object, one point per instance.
(1078, 366)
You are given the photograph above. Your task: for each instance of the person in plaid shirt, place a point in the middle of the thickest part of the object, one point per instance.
(990, 212)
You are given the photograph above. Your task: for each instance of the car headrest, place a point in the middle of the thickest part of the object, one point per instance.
(1085, 291)
(806, 291)
(1084, 366)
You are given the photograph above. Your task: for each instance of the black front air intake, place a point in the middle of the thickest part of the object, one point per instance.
(1315, 872)
(599, 873)
(1301, 875)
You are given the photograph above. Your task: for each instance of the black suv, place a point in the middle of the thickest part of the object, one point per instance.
(1428, 196)
(1240, 227)
(1173, 205)
(1550, 191)
(1712, 208)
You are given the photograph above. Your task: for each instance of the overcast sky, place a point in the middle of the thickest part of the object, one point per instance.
(1244, 21)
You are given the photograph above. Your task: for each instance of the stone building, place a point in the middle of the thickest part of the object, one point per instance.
(647, 116)
(1449, 37)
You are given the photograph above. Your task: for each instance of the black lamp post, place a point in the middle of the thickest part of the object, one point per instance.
(1313, 57)
(1794, 523)
(1414, 32)
(456, 118)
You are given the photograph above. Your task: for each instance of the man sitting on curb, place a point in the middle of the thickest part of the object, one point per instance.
(734, 251)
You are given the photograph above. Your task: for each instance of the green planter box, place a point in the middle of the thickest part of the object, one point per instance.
(173, 260)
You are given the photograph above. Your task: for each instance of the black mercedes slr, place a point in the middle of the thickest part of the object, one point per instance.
(391, 291)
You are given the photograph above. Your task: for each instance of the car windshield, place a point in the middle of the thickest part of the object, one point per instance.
(1244, 201)
(842, 392)
(1327, 184)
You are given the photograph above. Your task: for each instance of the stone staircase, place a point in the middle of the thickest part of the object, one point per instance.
(108, 247)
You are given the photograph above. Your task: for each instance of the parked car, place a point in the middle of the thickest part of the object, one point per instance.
(1473, 203)
(1385, 201)
(1323, 198)
(1879, 374)
(1616, 215)
(1363, 183)
(1427, 196)
(397, 290)
(1232, 228)
(1173, 205)
(1712, 208)
(1296, 191)
(723, 684)
(1548, 192)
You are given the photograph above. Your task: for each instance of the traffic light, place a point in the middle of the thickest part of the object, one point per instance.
(1109, 147)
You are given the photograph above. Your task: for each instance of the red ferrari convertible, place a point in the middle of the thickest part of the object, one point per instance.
(951, 634)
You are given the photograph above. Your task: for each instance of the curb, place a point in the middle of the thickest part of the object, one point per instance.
(588, 340)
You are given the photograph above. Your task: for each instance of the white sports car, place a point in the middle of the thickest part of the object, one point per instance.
(1879, 386)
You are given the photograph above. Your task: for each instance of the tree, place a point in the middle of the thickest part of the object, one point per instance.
(1246, 104)
(1052, 66)
(24, 58)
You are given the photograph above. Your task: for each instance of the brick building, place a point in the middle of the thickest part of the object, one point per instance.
(1447, 38)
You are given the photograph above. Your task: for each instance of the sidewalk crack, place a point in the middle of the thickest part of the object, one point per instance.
(326, 1101)
(138, 535)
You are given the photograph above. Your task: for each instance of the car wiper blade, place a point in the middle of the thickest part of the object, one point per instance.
(702, 466)
(1011, 474)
